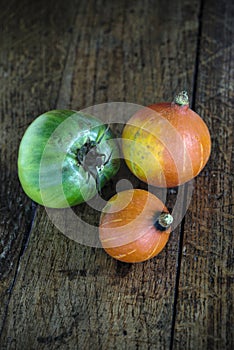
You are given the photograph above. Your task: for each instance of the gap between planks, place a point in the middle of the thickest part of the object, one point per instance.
(181, 239)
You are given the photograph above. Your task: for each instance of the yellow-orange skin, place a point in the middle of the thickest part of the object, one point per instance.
(166, 145)
(127, 231)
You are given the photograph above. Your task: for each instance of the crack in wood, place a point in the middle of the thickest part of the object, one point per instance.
(181, 240)
(23, 249)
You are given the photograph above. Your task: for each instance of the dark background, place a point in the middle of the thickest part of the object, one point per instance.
(58, 294)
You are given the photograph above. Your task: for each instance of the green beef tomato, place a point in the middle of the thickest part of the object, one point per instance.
(66, 157)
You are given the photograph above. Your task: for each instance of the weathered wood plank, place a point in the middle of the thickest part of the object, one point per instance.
(70, 296)
(34, 41)
(205, 314)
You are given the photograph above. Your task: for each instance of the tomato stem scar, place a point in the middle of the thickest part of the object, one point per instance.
(92, 160)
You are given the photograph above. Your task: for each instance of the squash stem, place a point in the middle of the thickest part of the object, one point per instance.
(182, 99)
(163, 221)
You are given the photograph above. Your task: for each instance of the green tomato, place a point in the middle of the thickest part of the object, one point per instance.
(65, 157)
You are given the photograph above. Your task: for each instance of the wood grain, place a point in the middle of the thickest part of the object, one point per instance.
(58, 294)
(31, 71)
(67, 295)
(205, 301)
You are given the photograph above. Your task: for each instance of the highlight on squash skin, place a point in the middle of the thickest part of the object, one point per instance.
(169, 141)
(137, 231)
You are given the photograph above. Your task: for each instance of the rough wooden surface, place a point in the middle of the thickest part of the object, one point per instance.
(205, 314)
(58, 294)
(32, 58)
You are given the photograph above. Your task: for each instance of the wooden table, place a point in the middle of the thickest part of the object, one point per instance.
(58, 294)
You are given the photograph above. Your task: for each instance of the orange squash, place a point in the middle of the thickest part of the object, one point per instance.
(134, 226)
(166, 144)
